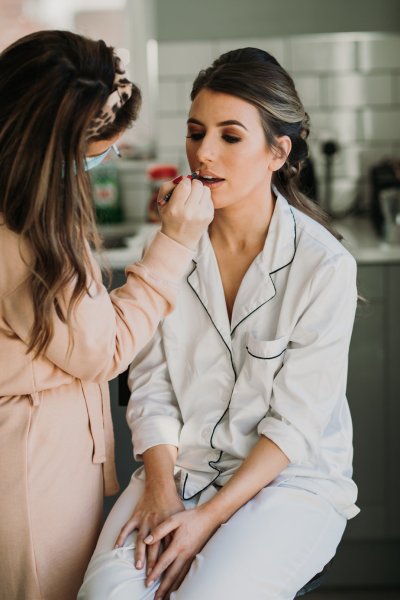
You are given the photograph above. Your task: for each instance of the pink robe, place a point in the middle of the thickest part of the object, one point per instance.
(56, 437)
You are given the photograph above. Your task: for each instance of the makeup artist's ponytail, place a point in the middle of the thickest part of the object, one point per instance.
(256, 76)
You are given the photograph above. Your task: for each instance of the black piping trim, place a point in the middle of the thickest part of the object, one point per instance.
(212, 463)
(272, 273)
(294, 245)
(216, 328)
(265, 357)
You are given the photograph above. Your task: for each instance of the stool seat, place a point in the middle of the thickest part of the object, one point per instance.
(315, 582)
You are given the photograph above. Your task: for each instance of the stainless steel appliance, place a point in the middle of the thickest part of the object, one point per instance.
(385, 181)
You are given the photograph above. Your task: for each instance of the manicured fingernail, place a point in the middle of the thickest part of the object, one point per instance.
(148, 539)
(161, 202)
(150, 583)
(177, 179)
(139, 564)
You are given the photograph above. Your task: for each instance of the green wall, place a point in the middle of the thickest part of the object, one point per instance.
(224, 19)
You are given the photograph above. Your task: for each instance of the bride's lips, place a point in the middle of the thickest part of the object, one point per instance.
(211, 180)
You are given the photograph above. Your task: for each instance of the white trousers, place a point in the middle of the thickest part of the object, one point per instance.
(268, 550)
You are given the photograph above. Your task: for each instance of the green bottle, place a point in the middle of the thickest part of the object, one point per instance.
(106, 194)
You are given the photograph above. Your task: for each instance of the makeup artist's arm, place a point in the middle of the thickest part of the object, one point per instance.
(160, 500)
(191, 529)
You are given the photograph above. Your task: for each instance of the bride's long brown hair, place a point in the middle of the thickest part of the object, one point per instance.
(52, 85)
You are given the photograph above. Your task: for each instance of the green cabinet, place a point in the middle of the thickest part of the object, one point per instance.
(370, 551)
(393, 405)
(367, 396)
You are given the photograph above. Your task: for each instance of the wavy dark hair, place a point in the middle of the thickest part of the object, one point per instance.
(256, 76)
(52, 85)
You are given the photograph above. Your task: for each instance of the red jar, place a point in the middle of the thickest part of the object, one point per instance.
(158, 174)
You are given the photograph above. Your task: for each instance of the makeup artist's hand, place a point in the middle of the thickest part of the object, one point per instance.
(188, 213)
(153, 508)
(189, 530)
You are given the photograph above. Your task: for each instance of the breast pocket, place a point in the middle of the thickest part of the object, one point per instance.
(266, 350)
(262, 361)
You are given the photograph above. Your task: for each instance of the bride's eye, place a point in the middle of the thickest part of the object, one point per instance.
(231, 139)
(195, 135)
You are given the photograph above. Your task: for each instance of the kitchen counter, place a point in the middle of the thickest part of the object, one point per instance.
(132, 237)
(360, 239)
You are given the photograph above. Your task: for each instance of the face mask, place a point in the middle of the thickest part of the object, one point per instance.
(94, 161)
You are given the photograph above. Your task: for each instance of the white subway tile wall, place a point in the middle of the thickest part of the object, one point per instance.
(317, 55)
(382, 124)
(379, 53)
(177, 58)
(309, 89)
(342, 125)
(356, 90)
(396, 88)
(276, 47)
(172, 132)
(349, 84)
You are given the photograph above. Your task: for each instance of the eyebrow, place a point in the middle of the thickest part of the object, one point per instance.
(221, 124)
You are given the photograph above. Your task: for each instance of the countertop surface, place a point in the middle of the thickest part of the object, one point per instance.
(360, 238)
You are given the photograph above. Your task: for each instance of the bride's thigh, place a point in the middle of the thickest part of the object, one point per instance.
(119, 515)
(111, 572)
(269, 548)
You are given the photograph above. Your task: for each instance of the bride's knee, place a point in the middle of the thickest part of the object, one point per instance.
(112, 574)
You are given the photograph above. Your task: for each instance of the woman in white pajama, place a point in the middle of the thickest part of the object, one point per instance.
(238, 406)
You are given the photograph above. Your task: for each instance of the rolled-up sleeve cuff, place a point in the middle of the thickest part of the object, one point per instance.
(164, 259)
(285, 436)
(153, 432)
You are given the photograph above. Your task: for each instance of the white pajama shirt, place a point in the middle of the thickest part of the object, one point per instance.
(279, 369)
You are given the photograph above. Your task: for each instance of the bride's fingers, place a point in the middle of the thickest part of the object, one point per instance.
(141, 548)
(129, 526)
(152, 555)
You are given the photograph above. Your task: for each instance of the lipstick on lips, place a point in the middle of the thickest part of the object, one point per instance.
(210, 179)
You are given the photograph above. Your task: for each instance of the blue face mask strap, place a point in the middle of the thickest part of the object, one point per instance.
(94, 161)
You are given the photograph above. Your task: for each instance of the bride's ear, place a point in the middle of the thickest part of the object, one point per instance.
(280, 152)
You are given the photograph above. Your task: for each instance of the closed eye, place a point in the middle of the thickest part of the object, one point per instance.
(231, 139)
(195, 136)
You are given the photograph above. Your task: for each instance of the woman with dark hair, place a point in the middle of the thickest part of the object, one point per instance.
(238, 406)
(64, 101)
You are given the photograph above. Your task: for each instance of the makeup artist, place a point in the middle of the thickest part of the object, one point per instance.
(64, 101)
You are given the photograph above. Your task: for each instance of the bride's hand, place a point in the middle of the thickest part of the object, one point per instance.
(152, 509)
(189, 530)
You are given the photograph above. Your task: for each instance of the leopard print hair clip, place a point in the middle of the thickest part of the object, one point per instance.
(122, 91)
